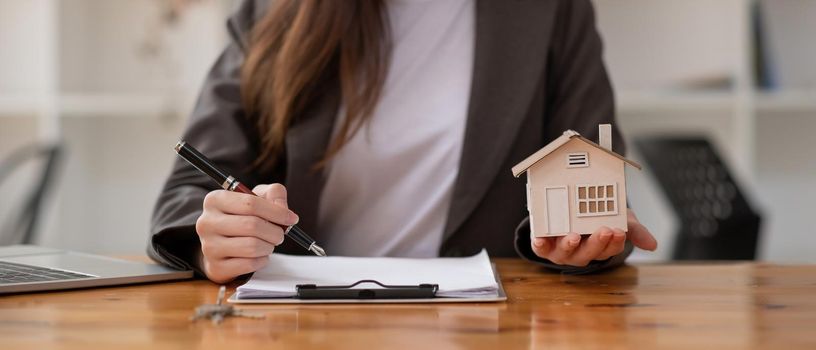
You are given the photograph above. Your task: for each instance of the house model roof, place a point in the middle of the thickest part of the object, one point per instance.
(568, 135)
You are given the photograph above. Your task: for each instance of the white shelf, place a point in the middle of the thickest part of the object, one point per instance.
(95, 104)
(15, 105)
(151, 104)
(786, 101)
(649, 101)
(667, 101)
(118, 105)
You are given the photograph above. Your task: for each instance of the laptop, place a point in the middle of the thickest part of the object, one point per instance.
(28, 268)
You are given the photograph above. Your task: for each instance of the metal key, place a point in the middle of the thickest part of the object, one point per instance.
(218, 311)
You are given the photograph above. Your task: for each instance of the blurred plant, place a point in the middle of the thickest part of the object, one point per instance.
(170, 14)
(157, 46)
(173, 9)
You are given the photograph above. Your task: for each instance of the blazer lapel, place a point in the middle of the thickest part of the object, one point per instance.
(509, 58)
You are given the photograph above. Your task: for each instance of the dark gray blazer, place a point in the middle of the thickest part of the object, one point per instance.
(537, 72)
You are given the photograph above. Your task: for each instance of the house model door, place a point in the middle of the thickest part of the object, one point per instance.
(557, 210)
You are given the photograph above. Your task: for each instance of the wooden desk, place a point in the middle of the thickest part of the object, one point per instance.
(733, 305)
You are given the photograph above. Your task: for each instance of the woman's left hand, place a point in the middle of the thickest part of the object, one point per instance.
(602, 244)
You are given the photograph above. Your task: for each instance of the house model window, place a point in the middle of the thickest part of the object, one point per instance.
(596, 200)
(577, 160)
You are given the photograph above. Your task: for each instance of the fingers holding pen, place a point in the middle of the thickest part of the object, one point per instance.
(223, 270)
(238, 231)
(225, 247)
(246, 226)
(273, 192)
(248, 205)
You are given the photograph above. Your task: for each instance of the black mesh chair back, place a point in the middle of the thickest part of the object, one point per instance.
(716, 221)
(21, 225)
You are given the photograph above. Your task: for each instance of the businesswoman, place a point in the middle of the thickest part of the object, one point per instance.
(388, 128)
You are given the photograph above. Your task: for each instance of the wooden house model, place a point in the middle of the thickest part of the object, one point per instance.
(575, 185)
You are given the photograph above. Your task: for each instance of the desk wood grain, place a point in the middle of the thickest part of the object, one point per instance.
(721, 305)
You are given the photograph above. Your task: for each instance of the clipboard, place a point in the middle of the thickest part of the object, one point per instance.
(385, 294)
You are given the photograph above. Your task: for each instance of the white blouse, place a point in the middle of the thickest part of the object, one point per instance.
(389, 189)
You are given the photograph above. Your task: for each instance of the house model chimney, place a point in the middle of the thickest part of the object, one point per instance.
(605, 136)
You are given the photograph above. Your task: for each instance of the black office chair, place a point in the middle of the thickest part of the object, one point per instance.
(21, 225)
(716, 221)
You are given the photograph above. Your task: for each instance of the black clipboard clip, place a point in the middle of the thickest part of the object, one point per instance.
(311, 291)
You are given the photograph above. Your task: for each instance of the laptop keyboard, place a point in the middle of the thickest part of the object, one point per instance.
(19, 273)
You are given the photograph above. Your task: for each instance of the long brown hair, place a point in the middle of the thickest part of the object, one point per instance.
(299, 45)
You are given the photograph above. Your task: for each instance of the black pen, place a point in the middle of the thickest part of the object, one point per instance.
(230, 183)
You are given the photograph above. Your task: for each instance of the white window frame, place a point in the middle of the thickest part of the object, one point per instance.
(577, 156)
(597, 199)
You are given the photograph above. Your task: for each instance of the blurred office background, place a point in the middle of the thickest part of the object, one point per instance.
(114, 80)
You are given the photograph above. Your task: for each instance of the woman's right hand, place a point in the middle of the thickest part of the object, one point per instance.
(238, 231)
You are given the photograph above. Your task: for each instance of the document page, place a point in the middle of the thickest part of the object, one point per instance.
(469, 277)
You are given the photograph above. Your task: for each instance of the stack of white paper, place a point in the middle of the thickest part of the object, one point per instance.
(470, 277)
